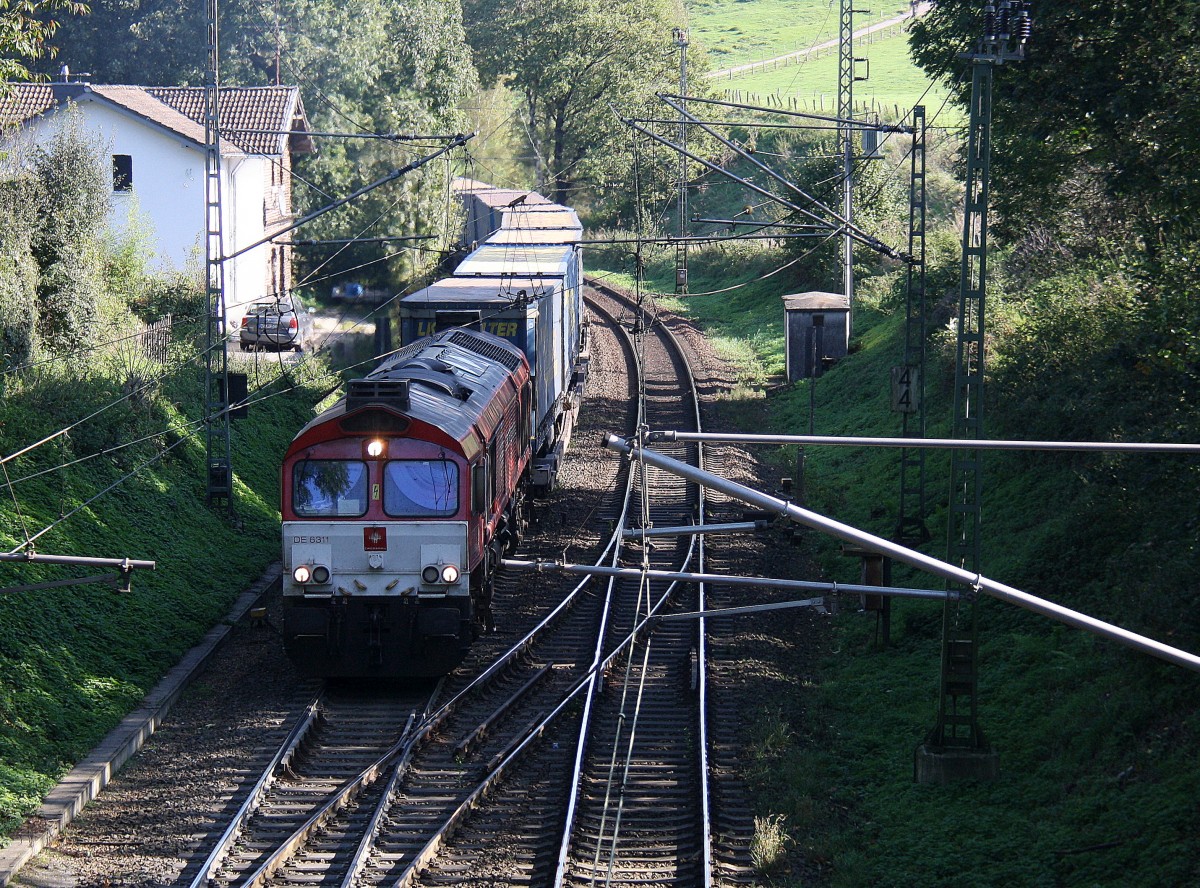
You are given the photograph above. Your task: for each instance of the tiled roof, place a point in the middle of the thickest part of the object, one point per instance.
(21, 101)
(264, 111)
(251, 117)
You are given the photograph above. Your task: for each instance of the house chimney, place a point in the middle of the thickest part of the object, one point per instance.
(64, 90)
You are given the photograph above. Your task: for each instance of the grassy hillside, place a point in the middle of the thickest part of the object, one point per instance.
(1096, 743)
(74, 660)
(735, 33)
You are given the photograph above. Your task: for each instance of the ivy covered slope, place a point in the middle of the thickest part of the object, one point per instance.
(125, 480)
(74, 660)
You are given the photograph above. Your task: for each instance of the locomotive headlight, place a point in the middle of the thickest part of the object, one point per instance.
(311, 573)
(376, 448)
(440, 574)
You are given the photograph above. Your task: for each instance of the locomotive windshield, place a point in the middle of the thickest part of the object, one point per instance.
(327, 488)
(420, 488)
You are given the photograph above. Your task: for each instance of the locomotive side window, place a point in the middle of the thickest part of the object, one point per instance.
(327, 488)
(420, 488)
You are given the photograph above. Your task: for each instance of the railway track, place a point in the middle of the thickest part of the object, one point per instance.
(568, 749)
(639, 790)
(473, 789)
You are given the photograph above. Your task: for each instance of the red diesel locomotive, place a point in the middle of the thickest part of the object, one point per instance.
(398, 502)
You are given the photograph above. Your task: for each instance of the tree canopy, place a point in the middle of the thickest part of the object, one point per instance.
(576, 65)
(26, 27)
(1105, 98)
(363, 67)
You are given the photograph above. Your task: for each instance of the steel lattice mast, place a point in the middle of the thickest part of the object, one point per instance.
(909, 386)
(218, 462)
(681, 272)
(845, 113)
(957, 727)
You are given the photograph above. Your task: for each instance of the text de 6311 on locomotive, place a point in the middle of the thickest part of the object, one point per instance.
(399, 501)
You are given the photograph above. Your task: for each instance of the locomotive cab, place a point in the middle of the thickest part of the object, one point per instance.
(392, 504)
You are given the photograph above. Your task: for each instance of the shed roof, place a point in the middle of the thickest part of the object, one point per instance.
(816, 300)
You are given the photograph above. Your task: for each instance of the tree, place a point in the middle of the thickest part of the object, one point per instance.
(18, 271)
(26, 26)
(1106, 95)
(363, 66)
(66, 243)
(576, 65)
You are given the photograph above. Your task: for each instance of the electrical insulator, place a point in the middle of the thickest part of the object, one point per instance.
(989, 22)
(1023, 28)
(1005, 21)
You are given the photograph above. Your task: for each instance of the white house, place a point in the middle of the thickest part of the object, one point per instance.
(156, 138)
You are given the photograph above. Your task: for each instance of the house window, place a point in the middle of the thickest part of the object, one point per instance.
(122, 172)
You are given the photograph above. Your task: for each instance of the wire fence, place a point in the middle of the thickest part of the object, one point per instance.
(801, 56)
(817, 103)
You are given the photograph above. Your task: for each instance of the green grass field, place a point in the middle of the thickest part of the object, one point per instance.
(745, 32)
(734, 32)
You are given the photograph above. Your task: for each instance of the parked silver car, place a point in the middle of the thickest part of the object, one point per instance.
(275, 325)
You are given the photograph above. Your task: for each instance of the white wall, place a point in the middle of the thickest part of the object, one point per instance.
(168, 198)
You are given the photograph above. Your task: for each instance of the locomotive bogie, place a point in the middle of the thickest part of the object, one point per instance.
(377, 637)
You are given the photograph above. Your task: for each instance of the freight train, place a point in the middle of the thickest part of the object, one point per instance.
(399, 500)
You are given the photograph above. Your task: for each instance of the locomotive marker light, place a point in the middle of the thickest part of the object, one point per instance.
(376, 448)
(440, 574)
(315, 574)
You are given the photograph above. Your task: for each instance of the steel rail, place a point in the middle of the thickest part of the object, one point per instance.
(539, 727)
(445, 830)
(948, 571)
(304, 724)
(400, 752)
(363, 852)
(591, 684)
(695, 550)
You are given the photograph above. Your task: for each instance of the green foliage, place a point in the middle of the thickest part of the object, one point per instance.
(74, 191)
(26, 27)
(1097, 786)
(18, 271)
(577, 65)
(364, 66)
(1093, 98)
(73, 661)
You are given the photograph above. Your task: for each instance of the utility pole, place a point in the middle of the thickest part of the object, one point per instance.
(956, 748)
(908, 380)
(219, 467)
(681, 270)
(846, 133)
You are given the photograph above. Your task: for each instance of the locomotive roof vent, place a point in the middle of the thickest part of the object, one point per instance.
(491, 351)
(429, 364)
(390, 392)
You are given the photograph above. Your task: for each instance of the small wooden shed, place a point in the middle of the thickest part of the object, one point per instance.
(816, 331)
